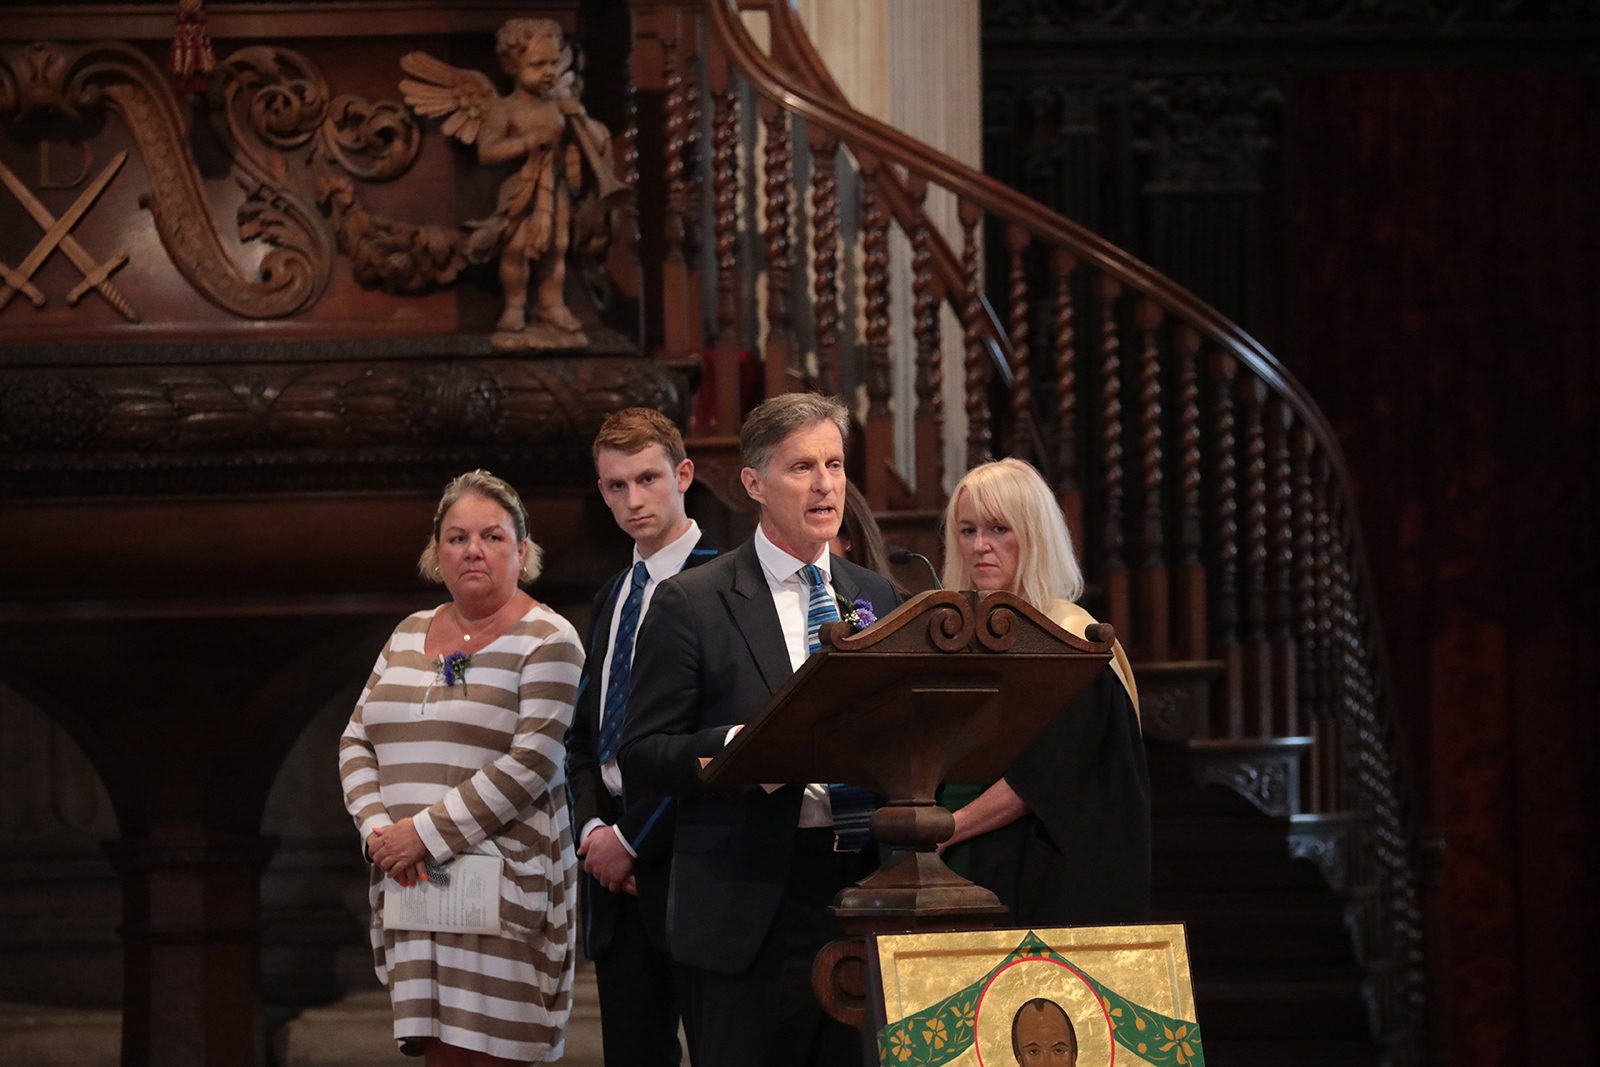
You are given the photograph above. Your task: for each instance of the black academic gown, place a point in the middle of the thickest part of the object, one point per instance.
(1081, 857)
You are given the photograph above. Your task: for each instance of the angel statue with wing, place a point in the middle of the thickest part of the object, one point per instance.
(543, 123)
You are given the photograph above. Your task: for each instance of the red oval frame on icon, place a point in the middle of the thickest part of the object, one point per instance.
(977, 1014)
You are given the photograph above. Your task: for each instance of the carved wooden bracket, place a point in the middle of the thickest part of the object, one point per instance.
(1265, 771)
(1325, 840)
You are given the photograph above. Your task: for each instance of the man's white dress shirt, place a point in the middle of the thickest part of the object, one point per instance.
(792, 597)
(669, 560)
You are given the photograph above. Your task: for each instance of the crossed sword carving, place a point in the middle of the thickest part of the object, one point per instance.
(58, 233)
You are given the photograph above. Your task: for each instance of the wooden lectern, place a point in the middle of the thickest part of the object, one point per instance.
(947, 688)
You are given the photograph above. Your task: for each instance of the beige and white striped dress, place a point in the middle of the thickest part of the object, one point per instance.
(479, 768)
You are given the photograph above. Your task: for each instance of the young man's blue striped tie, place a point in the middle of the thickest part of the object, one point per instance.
(852, 805)
(616, 708)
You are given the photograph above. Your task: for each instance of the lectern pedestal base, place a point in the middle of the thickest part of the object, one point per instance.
(948, 687)
(912, 892)
(915, 891)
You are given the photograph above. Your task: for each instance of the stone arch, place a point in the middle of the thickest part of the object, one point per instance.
(111, 773)
(58, 891)
(314, 946)
(283, 706)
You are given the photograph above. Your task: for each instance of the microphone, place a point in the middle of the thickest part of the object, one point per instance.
(901, 555)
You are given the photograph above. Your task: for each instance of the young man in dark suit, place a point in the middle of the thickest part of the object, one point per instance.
(753, 872)
(625, 839)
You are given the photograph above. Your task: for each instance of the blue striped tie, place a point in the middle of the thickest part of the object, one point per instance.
(616, 708)
(852, 805)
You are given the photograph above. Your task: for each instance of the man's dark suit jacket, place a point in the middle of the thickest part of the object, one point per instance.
(646, 821)
(710, 652)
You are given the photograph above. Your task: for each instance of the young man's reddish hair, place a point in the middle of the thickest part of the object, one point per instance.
(632, 430)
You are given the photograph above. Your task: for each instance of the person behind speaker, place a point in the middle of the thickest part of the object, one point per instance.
(753, 871)
(1063, 837)
(625, 840)
(859, 540)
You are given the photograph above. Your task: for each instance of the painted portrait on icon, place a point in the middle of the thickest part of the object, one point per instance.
(1070, 997)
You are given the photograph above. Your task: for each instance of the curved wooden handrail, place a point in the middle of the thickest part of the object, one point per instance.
(1351, 665)
(865, 134)
(789, 36)
(823, 105)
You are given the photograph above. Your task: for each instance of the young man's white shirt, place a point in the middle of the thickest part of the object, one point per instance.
(666, 562)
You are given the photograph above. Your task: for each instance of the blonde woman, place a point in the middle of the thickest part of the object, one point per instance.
(457, 747)
(1063, 838)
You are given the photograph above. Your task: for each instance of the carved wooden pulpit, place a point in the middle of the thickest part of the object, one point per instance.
(949, 687)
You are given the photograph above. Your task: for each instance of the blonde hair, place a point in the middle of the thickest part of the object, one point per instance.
(481, 483)
(1011, 493)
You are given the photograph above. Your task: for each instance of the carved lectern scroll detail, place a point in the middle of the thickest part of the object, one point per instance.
(998, 632)
(951, 627)
(958, 621)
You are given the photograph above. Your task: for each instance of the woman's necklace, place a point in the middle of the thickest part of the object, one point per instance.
(466, 633)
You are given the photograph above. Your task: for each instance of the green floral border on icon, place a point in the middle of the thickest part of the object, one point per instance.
(939, 1033)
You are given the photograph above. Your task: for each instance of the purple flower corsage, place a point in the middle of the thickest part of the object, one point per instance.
(860, 616)
(453, 669)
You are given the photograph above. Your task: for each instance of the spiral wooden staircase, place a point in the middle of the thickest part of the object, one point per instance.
(1208, 495)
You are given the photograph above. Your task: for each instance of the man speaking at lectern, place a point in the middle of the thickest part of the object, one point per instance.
(753, 872)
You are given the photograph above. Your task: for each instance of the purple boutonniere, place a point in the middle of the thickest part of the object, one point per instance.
(860, 616)
(453, 669)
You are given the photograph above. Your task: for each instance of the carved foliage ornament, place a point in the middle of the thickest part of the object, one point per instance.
(1205, 133)
(378, 142)
(110, 75)
(277, 102)
(268, 102)
(291, 145)
(307, 411)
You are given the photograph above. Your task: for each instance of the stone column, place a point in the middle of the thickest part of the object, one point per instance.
(191, 934)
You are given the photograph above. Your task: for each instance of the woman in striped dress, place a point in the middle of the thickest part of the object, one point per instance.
(455, 748)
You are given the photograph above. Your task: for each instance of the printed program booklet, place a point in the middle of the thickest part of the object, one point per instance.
(468, 904)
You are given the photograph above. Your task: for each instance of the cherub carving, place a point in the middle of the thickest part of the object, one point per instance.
(543, 123)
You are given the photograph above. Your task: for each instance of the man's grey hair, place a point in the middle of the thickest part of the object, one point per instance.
(776, 418)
